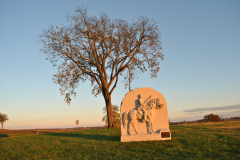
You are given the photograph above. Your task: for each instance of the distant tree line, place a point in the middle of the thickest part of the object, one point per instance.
(212, 118)
(207, 118)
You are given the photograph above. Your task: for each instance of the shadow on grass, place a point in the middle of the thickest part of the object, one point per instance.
(3, 136)
(86, 136)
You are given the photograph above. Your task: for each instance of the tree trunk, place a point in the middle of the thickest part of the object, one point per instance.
(2, 125)
(108, 102)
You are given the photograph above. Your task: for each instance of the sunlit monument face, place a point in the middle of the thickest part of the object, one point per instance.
(144, 116)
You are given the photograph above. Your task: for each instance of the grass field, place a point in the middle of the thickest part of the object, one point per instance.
(192, 141)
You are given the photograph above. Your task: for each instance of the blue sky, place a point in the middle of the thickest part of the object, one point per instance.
(200, 73)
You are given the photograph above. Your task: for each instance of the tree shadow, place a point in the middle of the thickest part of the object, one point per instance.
(3, 136)
(87, 136)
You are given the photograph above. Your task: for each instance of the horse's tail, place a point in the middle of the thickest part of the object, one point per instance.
(124, 119)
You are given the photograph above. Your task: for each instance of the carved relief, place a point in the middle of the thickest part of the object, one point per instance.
(144, 116)
(144, 112)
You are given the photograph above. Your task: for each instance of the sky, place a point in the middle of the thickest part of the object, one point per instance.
(200, 73)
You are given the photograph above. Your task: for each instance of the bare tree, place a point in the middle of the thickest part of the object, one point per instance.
(101, 50)
(3, 118)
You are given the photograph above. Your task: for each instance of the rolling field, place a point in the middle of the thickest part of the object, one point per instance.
(192, 141)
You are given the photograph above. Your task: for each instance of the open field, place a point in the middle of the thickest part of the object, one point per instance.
(191, 141)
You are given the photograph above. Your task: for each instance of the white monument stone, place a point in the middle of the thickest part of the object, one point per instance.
(144, 116)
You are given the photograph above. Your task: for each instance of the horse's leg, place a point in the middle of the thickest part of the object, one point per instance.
(147, 123)
(130, 122)
(150, 126)
(128, 129)
(134, 127)
(129, 125)
(151, 123)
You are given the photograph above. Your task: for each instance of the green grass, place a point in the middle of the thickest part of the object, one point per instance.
(192, 141)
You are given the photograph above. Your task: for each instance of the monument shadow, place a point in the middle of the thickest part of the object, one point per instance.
(3, 136)
(86, 136)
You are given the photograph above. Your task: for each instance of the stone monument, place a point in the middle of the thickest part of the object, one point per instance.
(144, 116)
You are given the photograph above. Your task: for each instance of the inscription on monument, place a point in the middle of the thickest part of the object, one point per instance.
(165, 134)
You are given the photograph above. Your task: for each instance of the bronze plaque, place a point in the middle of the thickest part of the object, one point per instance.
(165, 134)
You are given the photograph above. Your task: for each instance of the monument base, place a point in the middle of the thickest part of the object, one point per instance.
(163, 135)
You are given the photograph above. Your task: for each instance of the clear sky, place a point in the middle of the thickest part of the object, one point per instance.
(200, 73)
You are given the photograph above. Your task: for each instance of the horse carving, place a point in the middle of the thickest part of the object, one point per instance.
(129, 118)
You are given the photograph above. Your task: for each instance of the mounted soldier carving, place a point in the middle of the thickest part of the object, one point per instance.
(144, 111)
(141, 106)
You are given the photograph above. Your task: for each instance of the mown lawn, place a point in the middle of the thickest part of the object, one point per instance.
(192, 141)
